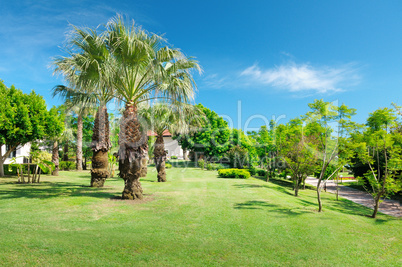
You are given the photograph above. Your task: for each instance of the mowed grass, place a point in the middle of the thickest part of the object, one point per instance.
(195, 219)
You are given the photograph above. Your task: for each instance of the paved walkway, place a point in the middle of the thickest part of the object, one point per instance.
(389, 207)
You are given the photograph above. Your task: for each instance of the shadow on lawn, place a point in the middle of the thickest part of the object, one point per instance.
(329, 202)
(253, 205)
(46, 190)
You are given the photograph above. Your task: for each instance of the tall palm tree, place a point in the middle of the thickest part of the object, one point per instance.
(139, 75)
(80, 105)
(178, 119)
(86, 70)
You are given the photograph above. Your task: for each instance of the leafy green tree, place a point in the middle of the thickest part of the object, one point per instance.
(319, 123)
(23, 118)
(212, 140)
(266, 149)
(375, 141)
(55, 128)
(242, 151)
(295, 147)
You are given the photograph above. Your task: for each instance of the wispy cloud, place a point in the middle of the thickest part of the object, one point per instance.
(304, 77)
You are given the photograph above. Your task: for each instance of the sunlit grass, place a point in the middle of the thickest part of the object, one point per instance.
(193, 219)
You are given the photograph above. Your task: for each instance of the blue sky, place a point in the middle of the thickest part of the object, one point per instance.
(271, 58)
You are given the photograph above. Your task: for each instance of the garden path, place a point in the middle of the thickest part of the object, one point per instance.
(388, 206)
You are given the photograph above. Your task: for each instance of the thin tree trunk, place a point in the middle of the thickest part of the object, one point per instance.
(376, 205)
(65, 151)
(55, 158)
(133, 147)
(29, 172)
(79, 142)
(22, 174)
(297, 189)
(160, 158)
(319, 197)
(100, 147)
(1, 167)
(185, 156)
(39, 175)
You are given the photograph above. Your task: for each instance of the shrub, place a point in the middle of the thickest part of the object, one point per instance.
(168, 165)
(201, 163)
(261, 172)
(10, 170)
(67, 165)
(214, 166)
(252, 170)
(173, 157)
(234, 173)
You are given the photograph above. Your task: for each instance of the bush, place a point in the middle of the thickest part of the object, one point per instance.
(252, 170)
(201, 163)
(13, 170)
(234, 173)
(214, 166)
(168, 165)
(67, 165)
(173, 157)
(262, 172)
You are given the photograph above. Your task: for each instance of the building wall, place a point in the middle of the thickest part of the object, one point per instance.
(20, 153)
(173, 148)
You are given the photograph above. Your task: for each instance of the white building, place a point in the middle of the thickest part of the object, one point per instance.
(20, 153)
(172, 147)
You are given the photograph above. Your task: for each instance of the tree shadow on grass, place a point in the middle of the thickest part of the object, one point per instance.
(255, 204)
(46, 190)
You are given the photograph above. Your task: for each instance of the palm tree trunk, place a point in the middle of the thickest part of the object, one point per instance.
(133, 148)
(55, 158)
(144, 167)
(79, 142)
(100, 147)
(160, 158)
(65, 151)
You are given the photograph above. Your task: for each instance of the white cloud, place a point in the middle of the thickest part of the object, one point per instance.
(304, 77)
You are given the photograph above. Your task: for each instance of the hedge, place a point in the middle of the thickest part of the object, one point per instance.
(234, 173)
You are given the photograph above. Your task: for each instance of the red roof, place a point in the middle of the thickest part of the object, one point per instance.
(166, 133)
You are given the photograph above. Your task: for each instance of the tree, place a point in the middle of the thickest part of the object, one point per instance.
(375, 142)
(55, 128)
(319, 118)
(23, 118)
(177, 119)
(295, 148)
(266, 149)
(143, 69)
(82, 107)
(87, 70)
(242, 151)
(212, 140)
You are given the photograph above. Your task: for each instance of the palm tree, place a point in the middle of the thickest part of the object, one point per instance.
(86, 70)
(178, 119)
(80, 105)
(143, 70)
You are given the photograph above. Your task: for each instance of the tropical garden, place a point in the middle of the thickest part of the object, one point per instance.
(98, 191)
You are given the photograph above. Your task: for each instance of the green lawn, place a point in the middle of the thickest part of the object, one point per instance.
(193, 219)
